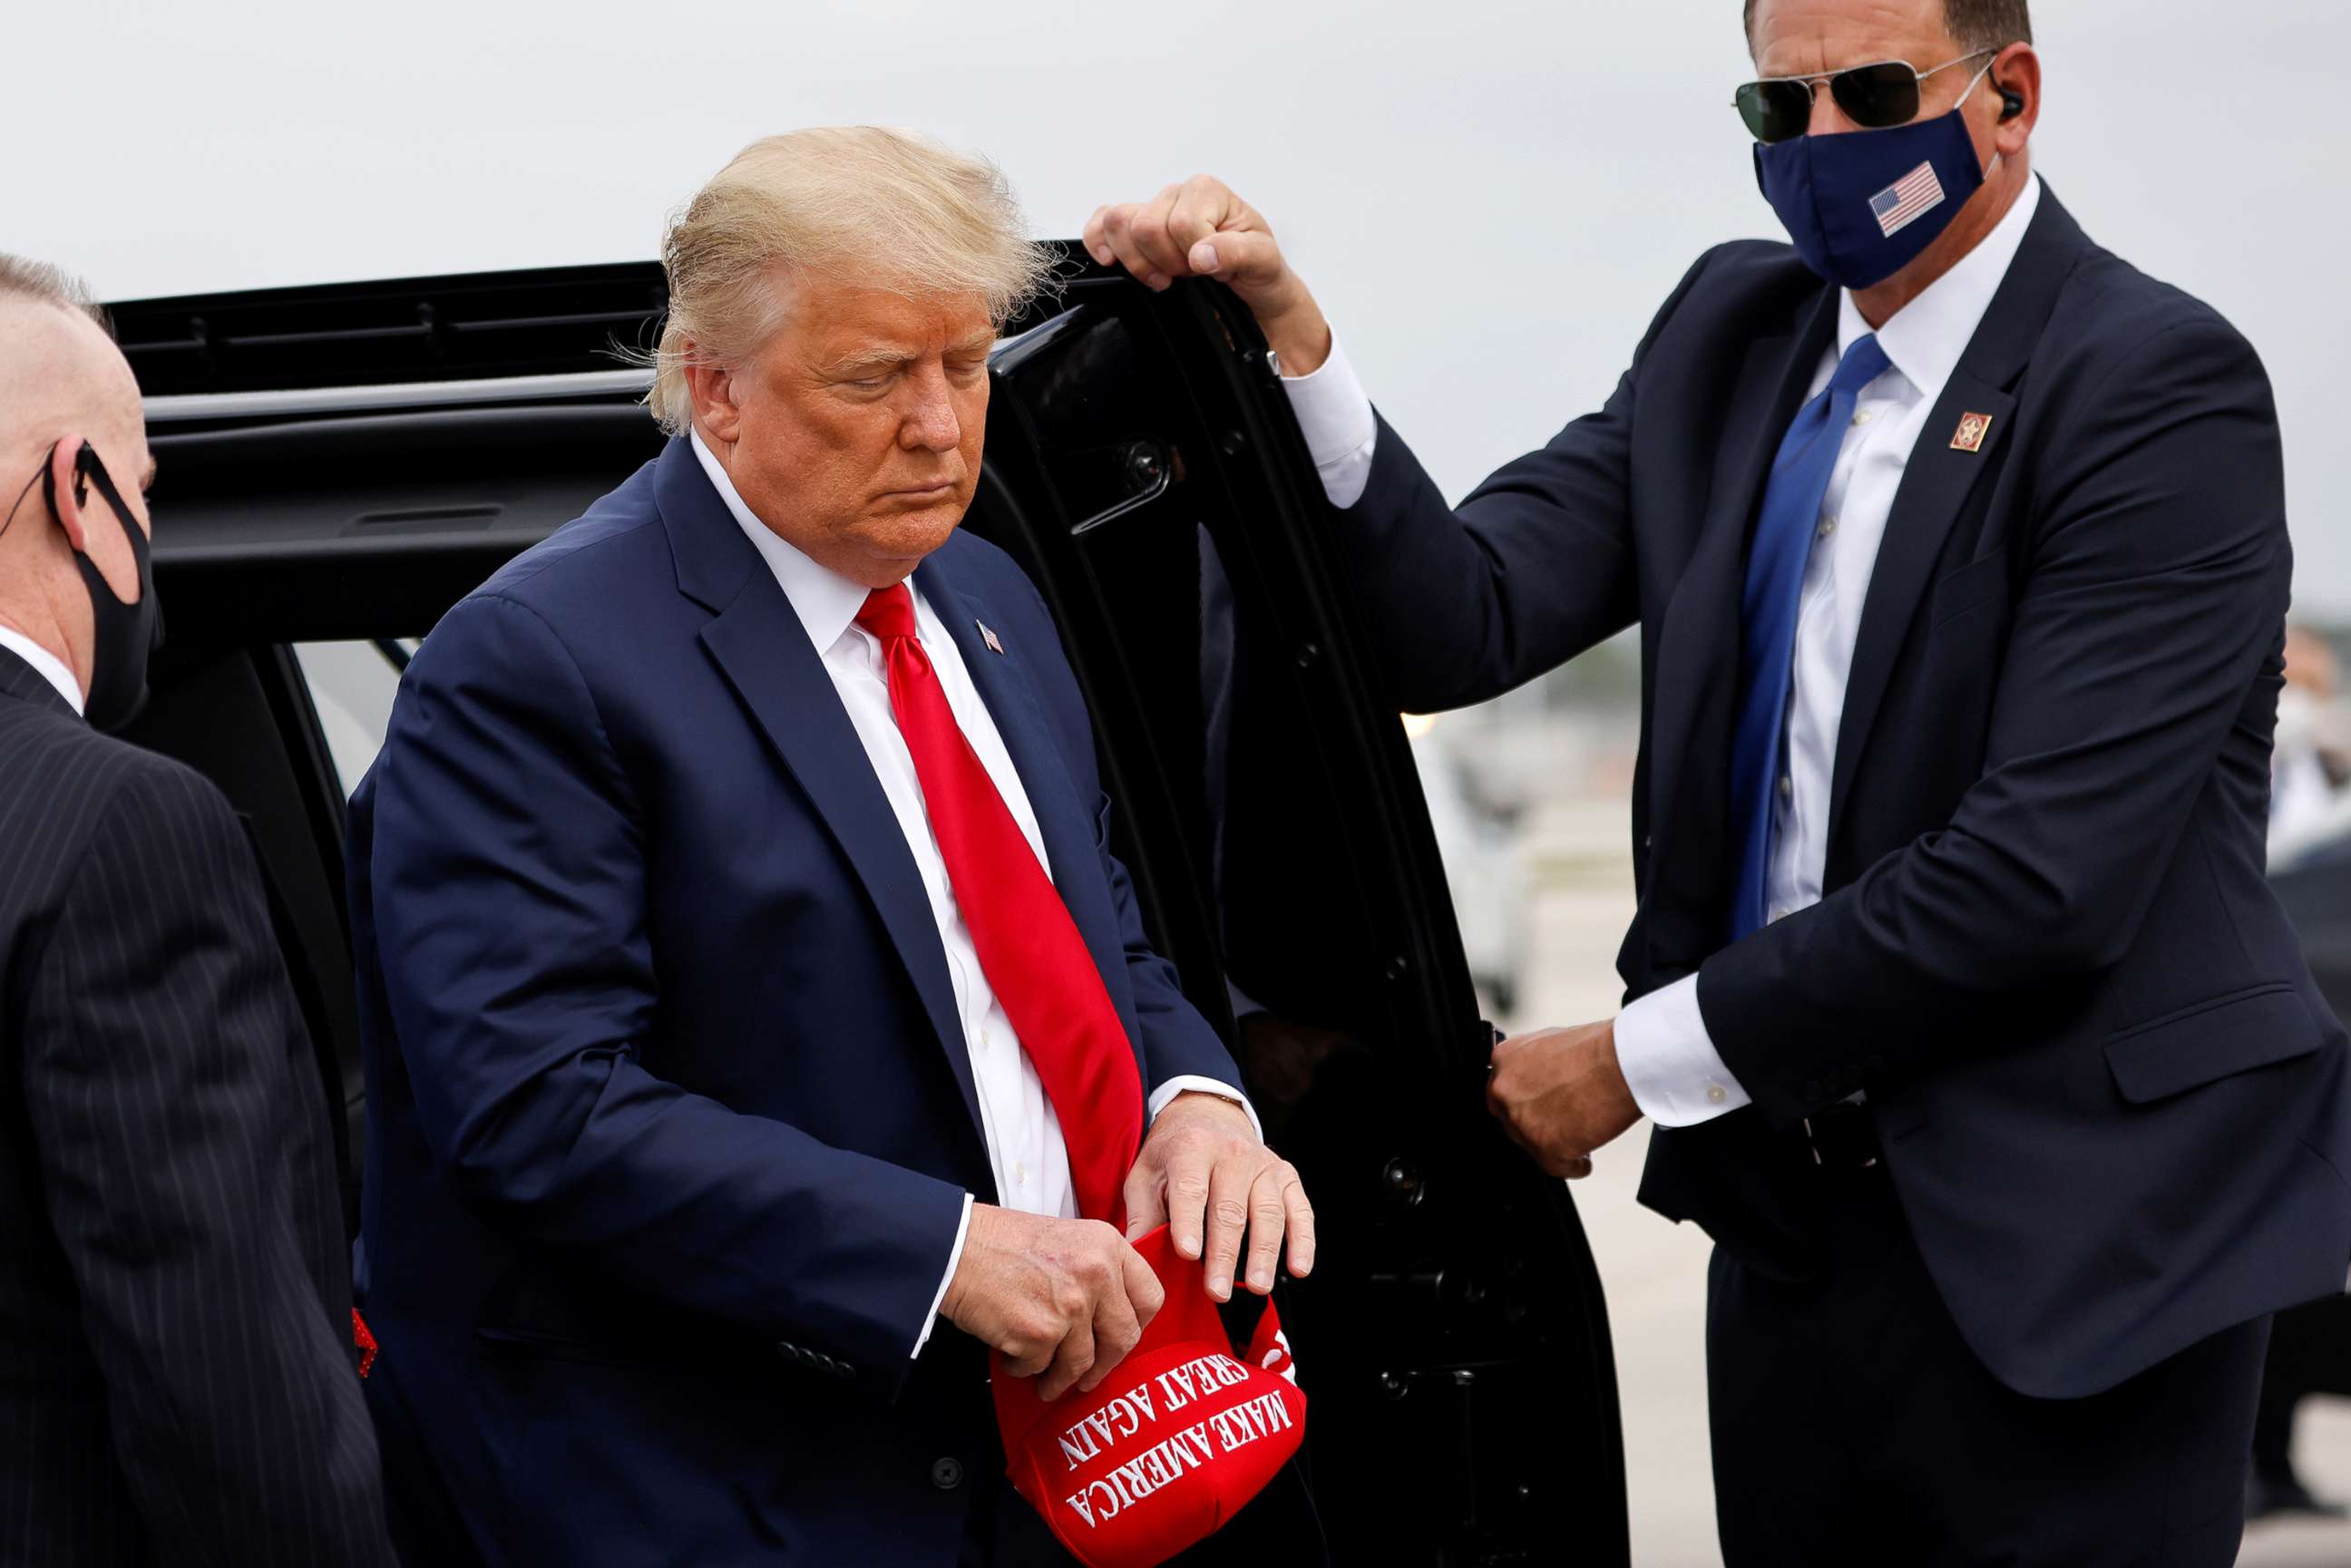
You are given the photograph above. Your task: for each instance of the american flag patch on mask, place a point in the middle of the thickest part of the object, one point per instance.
(1903, 201)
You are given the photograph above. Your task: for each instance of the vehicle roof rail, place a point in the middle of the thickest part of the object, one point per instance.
(475, 326)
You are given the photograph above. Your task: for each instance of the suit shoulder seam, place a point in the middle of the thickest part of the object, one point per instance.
(522, 570)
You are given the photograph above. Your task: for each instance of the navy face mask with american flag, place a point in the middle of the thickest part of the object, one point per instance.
(1861, 204)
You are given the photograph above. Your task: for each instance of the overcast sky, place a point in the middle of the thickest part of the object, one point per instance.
(1490, 196)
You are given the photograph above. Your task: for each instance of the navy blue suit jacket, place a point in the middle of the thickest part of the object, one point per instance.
(671, 1114)
(2114, 1103)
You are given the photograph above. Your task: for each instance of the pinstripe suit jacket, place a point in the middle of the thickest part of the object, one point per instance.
(175, 1383)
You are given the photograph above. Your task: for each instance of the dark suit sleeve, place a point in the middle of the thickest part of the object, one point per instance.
(2155, 595)
(166, 1117)
(1532, 568)
(509, 873)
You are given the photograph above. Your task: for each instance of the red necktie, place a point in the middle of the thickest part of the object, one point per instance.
(1039, 966)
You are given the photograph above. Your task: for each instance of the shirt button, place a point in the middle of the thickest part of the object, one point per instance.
(1864, 417)
(946, 1474)
(1716, 1094)
(1787, 787)
(1020, 1172)
(1779, 911)
(1828, 526)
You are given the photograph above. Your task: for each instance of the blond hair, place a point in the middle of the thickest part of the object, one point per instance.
(888, 208)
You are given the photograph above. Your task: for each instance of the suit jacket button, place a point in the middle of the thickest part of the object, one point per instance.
(946, 1474)
(1813, 1091)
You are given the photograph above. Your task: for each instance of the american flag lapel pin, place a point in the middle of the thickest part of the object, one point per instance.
(1973, 428)
(989, 637)
(1907, 200)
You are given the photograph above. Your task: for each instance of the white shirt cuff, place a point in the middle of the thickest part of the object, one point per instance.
(1335, 416)
(954, 1260)
(1669, 1061)
(1174, 1086)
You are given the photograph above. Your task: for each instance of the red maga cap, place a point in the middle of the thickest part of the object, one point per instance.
(1171, 1444)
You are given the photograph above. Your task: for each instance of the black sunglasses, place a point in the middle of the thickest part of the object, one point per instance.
(1874, 97)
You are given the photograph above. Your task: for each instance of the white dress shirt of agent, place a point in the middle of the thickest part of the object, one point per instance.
(1921, 1348)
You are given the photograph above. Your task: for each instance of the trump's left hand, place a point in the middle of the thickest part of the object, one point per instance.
(1205, 1175)
(1560, 1093)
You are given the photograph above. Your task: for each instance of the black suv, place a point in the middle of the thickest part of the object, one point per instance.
(341, 465)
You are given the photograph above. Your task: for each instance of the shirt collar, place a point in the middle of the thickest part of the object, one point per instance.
(1926, 338)
(826, 602)
(47, 666)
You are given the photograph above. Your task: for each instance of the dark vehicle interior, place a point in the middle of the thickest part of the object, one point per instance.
(339, 464)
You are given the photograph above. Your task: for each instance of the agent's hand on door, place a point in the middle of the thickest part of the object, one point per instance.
(1201, 229)
(1560, 1094)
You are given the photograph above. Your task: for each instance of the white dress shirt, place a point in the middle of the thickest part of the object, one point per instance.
(1676, 1076)
(1025, 1150)
(51, 668)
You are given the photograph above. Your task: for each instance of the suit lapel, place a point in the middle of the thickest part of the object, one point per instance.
(1065, 822)
(763, 651)
(1940, 476)
(1698, 648)
(1935, 486)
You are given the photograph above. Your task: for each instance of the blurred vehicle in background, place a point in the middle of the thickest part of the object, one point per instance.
(2310, 792)
(1486, 865)
(1529, 796)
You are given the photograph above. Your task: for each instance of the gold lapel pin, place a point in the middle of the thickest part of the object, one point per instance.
(1973, 428)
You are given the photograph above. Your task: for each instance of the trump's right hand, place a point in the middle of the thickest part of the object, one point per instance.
(1066, 1299)
(1201, 229)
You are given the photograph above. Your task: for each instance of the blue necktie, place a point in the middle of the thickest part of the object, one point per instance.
(1767, 618)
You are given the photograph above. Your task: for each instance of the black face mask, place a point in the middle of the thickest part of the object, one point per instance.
(123, 636)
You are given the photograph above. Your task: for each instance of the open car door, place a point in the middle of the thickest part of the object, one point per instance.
(341, 465)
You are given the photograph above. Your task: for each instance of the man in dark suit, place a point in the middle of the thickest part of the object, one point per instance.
(758, 1029)
(1971, 1031)
(176, 1382)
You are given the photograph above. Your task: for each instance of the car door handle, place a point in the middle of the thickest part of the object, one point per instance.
(1149, 471)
